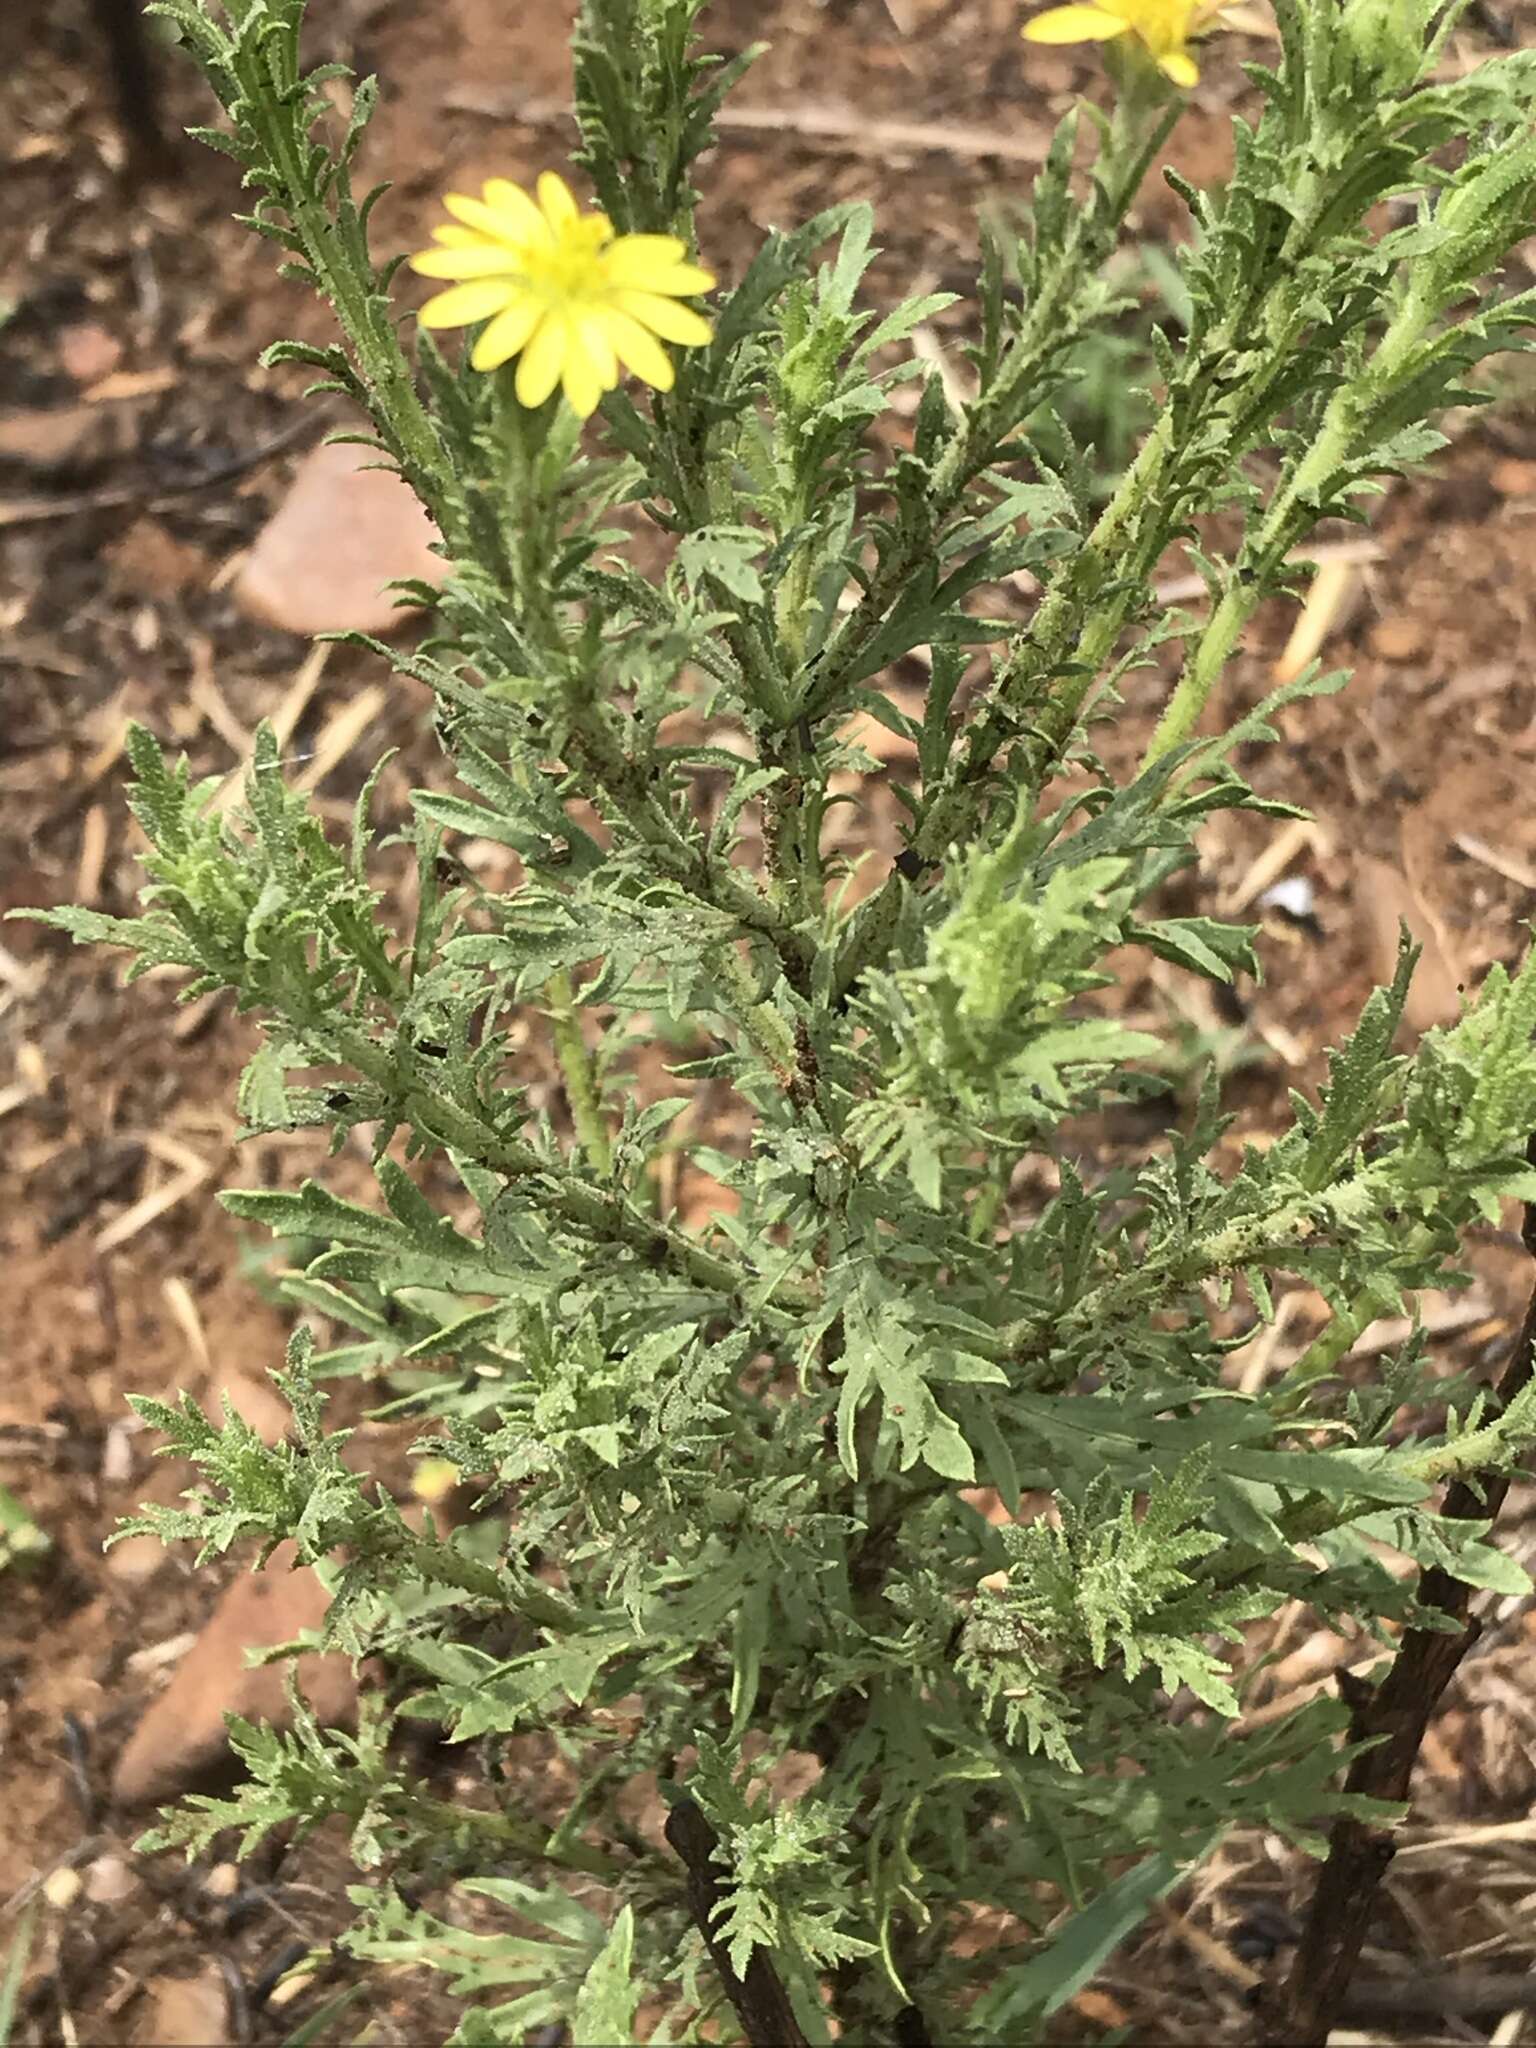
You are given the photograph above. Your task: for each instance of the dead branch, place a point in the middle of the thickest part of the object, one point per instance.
(1392, 1718)
(761, 2002)
(836, 128)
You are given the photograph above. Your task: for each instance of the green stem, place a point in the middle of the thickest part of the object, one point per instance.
(771, 1037)
(576, 1068)
(1331, 1345)
(603, 1214)
(1293, 510)
(386, 375)
(1129, 151)
(437, 1819)
(1252, 1240)
(1043, 647)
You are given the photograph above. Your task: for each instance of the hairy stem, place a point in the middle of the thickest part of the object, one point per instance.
(576, 1070)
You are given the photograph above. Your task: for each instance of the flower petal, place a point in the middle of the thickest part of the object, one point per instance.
(634, 259)
(463, 304)
(581, 375)
(1180, 67)
(557, 201)
(543, 357)
(640, 353)
(592, 331)
(476, 214)
(481, 261)
(1073, 25)
(452, 236)
(520, 219)
(673, 280)
(507, 333)
(664, 317)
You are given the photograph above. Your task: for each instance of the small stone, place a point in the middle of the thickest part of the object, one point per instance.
(1293, 896)
(62, 1887)
(344, 531)
(136, 1559)
(108, 1880)
(223, 1881)
(1513, 478)
(1398, 639)
(88, 352)
(116, 1457)
(183, 1737)
(186, 2012)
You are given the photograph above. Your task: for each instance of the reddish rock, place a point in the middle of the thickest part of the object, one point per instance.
(1398, 639)
(108, 1881)
(1513, 478)
(185, 2012)
(182, 1736)
(343, 532)
(88, 352)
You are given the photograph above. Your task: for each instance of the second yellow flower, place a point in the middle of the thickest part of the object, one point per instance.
(1165, 28)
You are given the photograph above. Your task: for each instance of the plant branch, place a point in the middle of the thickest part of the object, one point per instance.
(576, 1071)
(600, 1212)
(762, 2004)
(1392, 1719)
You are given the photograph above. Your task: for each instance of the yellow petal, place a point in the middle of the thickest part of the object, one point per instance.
(640, 353)
(480, 261)
(556, 200)
(592, 332)
(520, 218)
(507, 333)
(1180, 67)
(632, 259)
(476, 214)
(538, 369)
(673, 280)
(664, 317)
(452, 236)
(1074, 25)
(581, 378)
(463, 304)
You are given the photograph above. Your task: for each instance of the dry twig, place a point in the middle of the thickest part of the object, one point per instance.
(839, 127)
(1392, 1718)
(761, 2002)
(69, 504)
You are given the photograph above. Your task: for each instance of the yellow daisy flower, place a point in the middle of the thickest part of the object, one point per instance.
(1166, 27)
(433, 1480)
(561, 291)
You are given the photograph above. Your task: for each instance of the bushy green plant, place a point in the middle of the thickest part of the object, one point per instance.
(727, 1469)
